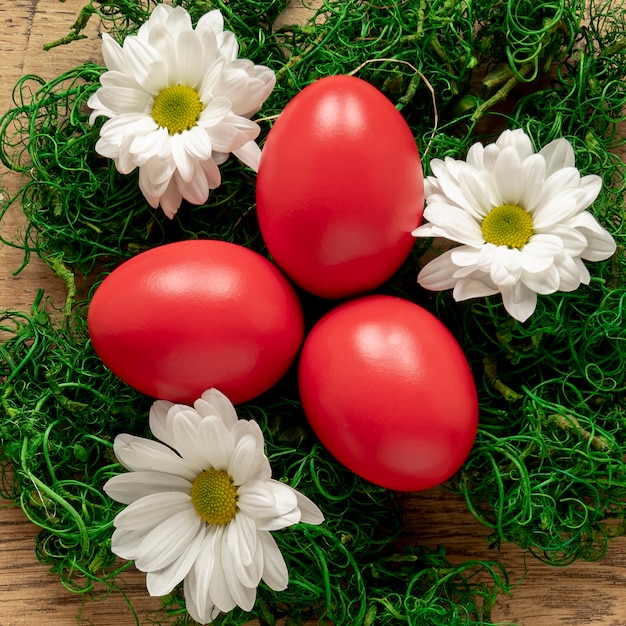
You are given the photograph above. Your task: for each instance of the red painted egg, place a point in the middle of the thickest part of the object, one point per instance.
(387, 389)
(184, 317)
(339, 188)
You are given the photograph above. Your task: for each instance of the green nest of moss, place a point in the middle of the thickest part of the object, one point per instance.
(547, 470)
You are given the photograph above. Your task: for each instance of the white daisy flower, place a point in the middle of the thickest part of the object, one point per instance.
(520, 219)
(178, 101)
(201, 506)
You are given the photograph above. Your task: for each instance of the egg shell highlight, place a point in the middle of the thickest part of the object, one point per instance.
(339, 188)
(389, 392)
(183, 317)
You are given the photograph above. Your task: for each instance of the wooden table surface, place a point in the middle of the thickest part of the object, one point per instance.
(581, 594)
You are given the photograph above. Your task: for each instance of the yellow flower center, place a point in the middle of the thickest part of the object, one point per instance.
(508, 225)
(177, 108)
(214, 497)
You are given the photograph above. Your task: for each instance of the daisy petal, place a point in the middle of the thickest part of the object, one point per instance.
(249, 154)
(309, 511)
(242, 538)
(214, 402)
(127, 488)
(125, 543)
(259, 499)
(438, 274)
(242, 595)
(558, 154)
(508, 176)
(168, 540)
(138, 454)
(471, 288)
(151, 510)
(519, 301)
(275, 573)
(163, 581)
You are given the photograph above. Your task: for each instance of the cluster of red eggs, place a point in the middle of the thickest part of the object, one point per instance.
(383, 382)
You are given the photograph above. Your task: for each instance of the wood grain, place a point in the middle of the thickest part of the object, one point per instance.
(582, 594)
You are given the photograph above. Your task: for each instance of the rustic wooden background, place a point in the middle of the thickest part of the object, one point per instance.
(582, 594)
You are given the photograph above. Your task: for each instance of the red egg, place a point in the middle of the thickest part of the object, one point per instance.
(388, 391)
(339, 188)
(181, 318)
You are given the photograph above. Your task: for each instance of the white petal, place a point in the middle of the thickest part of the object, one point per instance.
(170, 198)
(152, 510)
(249, 154)
(211, 172)
(185, 162)
(128, 487)
(242, 537)
(138, 454)
(275, 574)
(592, 185)
(474, 156)
(216, 403)
(468, 288)
(216, 442)
(543, 246)
(558, 154)
(211, 612)
(168, 540)
(508, 176)
(426, 230)
(154, 146)
(465, 256)
(572, 241)
(228, 46)
(127, 125)
(506, 266)
(518, 140)
(157, 420)
(125, 543)
(309, 511)
(475, 191)
(600, 242)
(185, 428)
(113, 54)
(275, 522)
(545, 282)
(243, 596)
(163, 581)
(448, 183)
(213, 20)
(572, 272)
(205, 585)
(125, 100)
(534, 174)
(519, 301)
(558, 209)
(454, 223)
(243, 462)
(198, 601)
(158, 171)
(146, 66)
(266, 498)
(189, 58)
(196, 190)
(438, 274)
(218, 583)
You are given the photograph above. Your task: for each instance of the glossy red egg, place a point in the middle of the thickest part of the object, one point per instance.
(339, 188)
(184, 317)
(389, 392)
